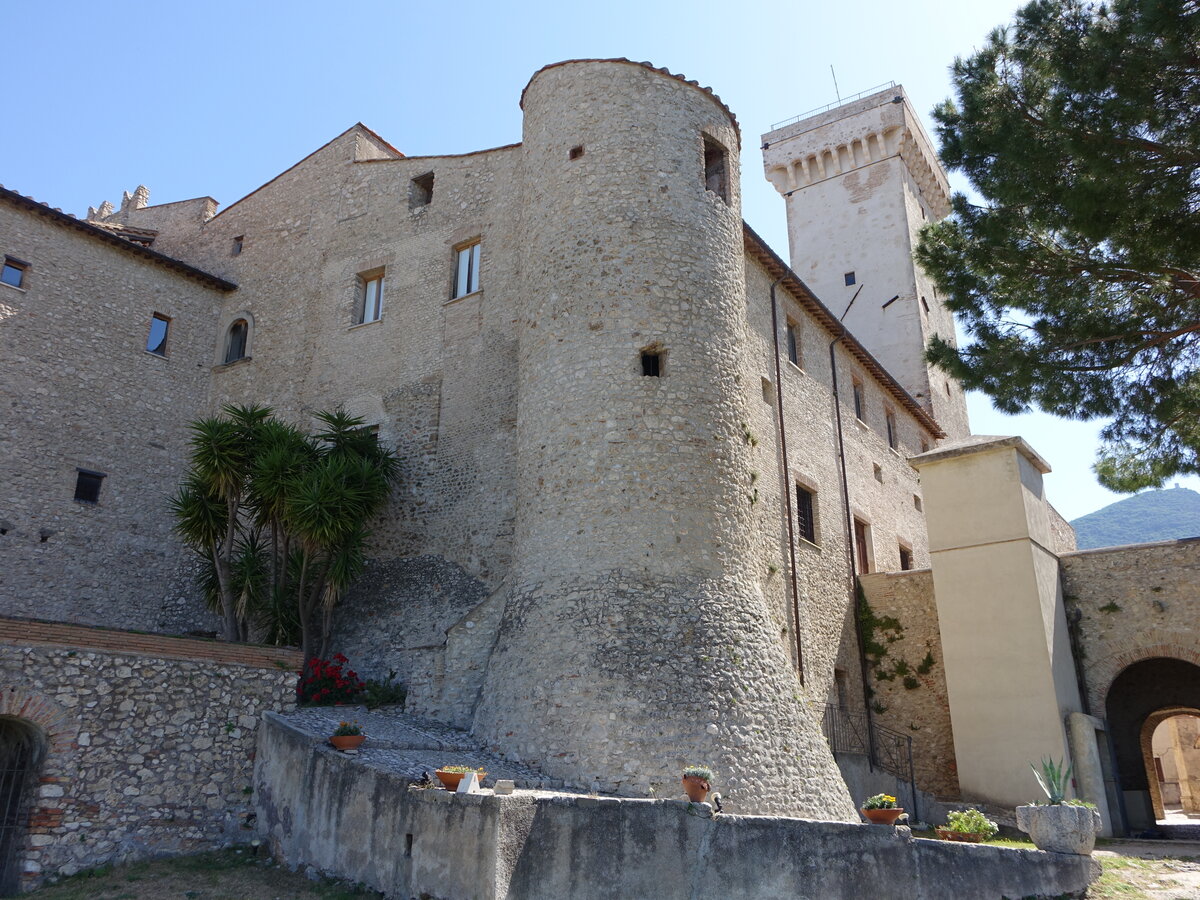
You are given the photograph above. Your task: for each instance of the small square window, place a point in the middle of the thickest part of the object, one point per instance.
(237, 244)
(370, 307)
(575, 153)
(13, 273)
(420, 191)
(87, 485)
(651, 363)
(716, 168)
(806, 521)
(466, 270)
(793, 344)
(849, 276)
(156, 341)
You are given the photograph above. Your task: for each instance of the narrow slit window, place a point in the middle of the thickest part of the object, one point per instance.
(237, 244)
(878, 472)
(13, 273)
(466, 272)
(652, 363)
(371, 302)
(917, 505)
(235, 341)
(87, 485)
(716, 169)
(793, 344)
(892, 436)
(420, 191)
(860, 403)
(806, 521)
(156, 341)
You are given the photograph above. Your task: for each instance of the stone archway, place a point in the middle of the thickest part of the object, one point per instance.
(1140, 697)
(22, 751)
(1158, 801)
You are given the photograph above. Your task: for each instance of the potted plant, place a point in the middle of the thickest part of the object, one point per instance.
(969, 825)
(697, 782)
(450, 776)
(1060, 825)
(881, 809)
(348, 736)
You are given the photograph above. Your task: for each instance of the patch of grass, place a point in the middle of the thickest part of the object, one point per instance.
(217, 875)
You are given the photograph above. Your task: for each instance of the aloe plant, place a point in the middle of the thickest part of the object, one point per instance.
(1053, 778)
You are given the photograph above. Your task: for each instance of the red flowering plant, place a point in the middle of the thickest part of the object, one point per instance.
(329, 682)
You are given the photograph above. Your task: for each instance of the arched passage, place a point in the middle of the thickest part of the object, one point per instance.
(1140, 697)
(1171, 744)
(22, 749)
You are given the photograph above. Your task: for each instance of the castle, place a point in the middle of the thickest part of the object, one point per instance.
(646, 464)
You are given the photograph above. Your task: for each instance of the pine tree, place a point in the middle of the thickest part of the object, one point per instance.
(1078, 276)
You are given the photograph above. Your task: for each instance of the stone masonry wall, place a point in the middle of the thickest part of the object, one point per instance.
(918, 708)
(150, 740)
(1134, 603)
(81, 391)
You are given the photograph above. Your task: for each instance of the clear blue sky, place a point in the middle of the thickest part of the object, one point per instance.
(215, 98)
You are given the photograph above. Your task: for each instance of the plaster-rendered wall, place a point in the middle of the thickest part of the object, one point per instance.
(150, 740)
(82, 392)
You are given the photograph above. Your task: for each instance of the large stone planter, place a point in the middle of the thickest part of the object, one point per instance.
(1060, 829)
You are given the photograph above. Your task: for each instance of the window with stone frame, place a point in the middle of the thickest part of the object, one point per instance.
(370, 297)
(806, 513)
(13, 272)
(466, 269)
(716, 168)
(893, 435)
(860, 400)
(156, 340)
(235, 341)
(793, 343)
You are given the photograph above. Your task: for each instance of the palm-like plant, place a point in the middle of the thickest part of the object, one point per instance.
(281, 517)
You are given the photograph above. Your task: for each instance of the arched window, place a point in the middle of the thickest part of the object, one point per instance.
(235, 341)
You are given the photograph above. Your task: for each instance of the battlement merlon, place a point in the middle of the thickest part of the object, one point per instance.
(852, 136)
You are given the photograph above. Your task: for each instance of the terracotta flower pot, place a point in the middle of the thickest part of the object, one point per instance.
(967, 837)
(882, 816)
(450, 780)
(696, 788)
(347, 741)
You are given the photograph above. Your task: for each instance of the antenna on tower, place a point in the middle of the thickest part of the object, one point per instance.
(835, 87)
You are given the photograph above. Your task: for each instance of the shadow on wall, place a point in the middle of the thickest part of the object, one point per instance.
(428, 621)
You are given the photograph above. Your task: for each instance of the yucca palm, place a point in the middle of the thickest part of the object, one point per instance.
(281, 517)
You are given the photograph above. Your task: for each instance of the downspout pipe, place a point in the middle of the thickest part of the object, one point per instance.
(851, 561)
(786, 486)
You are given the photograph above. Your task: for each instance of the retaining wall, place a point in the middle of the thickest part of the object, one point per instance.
(149, 740)
(345, 816)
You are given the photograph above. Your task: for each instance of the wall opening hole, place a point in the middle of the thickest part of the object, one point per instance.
(768, 390)
(652, 363)
(420, 191)
(878, 472)
(87, 487)
(237, 245)
(408, 842)
(716, 168)
(576, 152)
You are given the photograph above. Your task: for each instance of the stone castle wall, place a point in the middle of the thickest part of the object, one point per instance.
(1134, 603)
(150, 740)
(83, 392)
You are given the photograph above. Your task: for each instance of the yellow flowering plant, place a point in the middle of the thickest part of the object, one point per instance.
(880, 801)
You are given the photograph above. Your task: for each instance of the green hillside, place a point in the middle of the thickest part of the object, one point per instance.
(1148, 516)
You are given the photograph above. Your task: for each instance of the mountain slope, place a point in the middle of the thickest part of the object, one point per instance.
(1148, 516)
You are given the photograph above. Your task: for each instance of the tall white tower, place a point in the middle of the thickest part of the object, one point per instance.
(860, 180)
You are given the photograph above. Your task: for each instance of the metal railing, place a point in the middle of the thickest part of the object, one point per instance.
(891, 751)
(834, 104)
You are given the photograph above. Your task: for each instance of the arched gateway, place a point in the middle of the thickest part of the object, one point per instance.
(22, 750)
(1141, 697)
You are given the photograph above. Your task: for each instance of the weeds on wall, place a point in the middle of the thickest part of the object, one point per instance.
(879, 633)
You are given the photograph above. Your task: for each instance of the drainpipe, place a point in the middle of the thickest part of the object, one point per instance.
(851, 562)
(787, 479)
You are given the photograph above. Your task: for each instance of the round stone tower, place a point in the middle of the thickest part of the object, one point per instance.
(636, 639)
